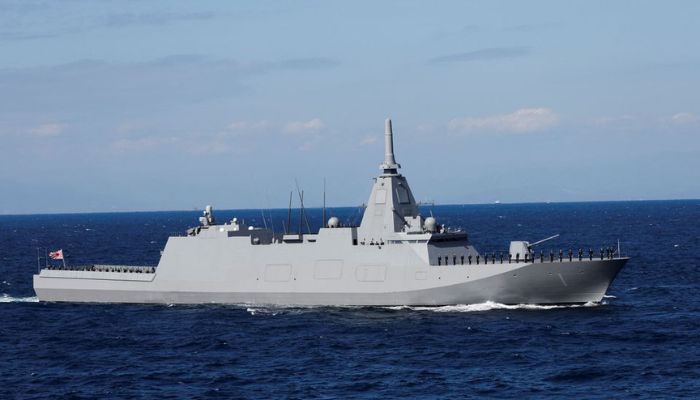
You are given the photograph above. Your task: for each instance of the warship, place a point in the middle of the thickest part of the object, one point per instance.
(394, 257)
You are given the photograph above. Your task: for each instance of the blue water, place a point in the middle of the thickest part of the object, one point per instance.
(643, 341)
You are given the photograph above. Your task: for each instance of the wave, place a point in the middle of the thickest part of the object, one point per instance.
(490, 305)
(477, 307)
(261, 310)
(286, 309)
(6, 298)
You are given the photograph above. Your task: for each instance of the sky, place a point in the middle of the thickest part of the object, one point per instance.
(160, 105)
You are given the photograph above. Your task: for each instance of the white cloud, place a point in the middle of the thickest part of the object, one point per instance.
(615, 121)
(520, 121)
(201, 145)
(367, 140)
(425, 128)
(307, 146)
(139, 144)
(248, 126)
(303, 127)
(48, 130)
(683, 118)
(640, 123)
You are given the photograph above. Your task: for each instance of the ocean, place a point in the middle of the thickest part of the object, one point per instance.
(643, 341)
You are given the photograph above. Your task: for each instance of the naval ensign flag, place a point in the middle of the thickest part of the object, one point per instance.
(56, 255)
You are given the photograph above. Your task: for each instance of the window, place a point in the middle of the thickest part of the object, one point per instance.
(402, 193)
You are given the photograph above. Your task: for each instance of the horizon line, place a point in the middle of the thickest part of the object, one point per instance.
(495, 203)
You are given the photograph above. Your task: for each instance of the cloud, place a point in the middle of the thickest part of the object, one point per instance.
(684, 118)
(158, 18)
(25, 26)
(640, 123)
(307, 145)
(425, 128)
(492, 53)
(304, 127)
(368, 140)
(523, 120)
(616, 121)
(305, 63)
(133, 90)
(48, 130)
(532, 27)
(470, 29)
(201, 144)
(240, 127)
(140, 144)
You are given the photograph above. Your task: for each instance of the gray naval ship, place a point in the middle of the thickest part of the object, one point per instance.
(394, 257)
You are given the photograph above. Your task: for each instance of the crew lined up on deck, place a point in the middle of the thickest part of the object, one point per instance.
(105, 268)
(605, 253)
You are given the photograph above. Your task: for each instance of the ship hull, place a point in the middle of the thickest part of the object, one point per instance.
(522, 283)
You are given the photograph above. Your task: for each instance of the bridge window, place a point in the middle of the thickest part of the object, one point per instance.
(402, 193)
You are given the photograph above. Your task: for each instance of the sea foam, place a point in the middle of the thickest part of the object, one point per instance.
(490, 305)
(6, 298)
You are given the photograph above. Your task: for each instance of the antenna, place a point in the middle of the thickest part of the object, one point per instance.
(262, 212)
(302, 213)
(269, 214)
(323, 220)
(301, 209)
(289, 212)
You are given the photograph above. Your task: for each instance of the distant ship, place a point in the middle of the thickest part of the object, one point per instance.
(394, 257)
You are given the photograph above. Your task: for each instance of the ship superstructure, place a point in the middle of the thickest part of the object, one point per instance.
(394, 257)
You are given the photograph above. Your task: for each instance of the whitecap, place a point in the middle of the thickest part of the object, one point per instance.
(261, 311)
(491, 305)
(6, 298)
(476, 307)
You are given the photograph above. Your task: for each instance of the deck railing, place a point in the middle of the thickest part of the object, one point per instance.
(608, 253)
(138, 269)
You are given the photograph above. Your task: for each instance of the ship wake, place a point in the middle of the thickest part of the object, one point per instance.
(6, 298)
(491, 305)
(459, 308)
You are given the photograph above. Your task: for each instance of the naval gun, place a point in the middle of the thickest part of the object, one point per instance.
(522, 247)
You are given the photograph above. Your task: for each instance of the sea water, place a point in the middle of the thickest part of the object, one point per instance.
(643, 340)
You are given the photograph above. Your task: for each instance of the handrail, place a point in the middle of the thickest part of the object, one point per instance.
(607, 253)
(138, 269)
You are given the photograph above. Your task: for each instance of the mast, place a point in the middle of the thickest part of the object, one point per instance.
(303, 213)
(262, 213)
(390, 166)
(323, 219)
(301, 209)
(289, 212)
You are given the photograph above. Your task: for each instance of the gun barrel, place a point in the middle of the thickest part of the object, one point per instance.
(544, 240)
